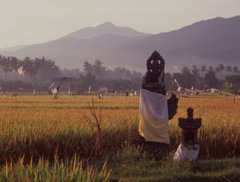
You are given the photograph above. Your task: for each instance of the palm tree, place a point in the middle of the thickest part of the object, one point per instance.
(203, 68)
(195, 70)
(210, 68)
(221, 67)
(229, 68)
(235, 70)
(87, 67)
(6, 67)
(98, 68)
(210, 78)
(14, 64)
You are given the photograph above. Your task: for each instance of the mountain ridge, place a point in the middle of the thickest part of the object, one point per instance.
(207, 42)
(107, 27)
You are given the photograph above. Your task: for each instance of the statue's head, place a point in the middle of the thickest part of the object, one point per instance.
(154, 77)
(155, 66)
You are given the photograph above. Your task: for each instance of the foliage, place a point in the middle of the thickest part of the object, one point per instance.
(211, 79)
(118, 78)
(205, 78)
(13, 86)
(88, 80)
(228, 87)
(185, 78)
(235, 80)
(97, 76)
(35, 69)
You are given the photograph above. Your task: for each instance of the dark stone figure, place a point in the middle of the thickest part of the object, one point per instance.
(154, 77)
(153, 81)
(190, 127)
(189, 148)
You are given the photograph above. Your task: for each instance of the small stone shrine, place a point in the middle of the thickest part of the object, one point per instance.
(190, 127)
(189, 148)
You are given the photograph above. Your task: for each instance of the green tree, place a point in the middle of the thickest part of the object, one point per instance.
(235, 70)
(29, 67)
(98, 69)
(228, 87)
(203, 68)
(235, 79)
(199, 81)
(46, 68)
(87, 68)
(6, 66)
(88, 80)
(185, 78)
(195, 70)
(118, 72)
(229, 68)
(221, 67)
(211, 79)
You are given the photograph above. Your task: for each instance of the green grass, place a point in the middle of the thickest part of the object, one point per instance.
(125, 165)
(58, 171)
(131, 166)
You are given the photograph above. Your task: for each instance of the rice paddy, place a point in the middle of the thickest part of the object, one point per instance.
(54, 134)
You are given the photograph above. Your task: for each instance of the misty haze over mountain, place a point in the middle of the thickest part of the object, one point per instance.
(209, 42)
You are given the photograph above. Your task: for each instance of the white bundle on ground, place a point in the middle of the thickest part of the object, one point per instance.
(153, 110)
(186, 153)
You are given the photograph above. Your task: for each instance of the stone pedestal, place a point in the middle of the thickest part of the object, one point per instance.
(189, 148)
(190, 127)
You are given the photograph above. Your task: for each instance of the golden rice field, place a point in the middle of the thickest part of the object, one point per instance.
(40, 126)
(47, 130)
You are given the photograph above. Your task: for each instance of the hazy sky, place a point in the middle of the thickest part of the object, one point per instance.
(26, 22)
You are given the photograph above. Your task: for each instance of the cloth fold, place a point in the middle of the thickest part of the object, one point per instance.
(153, 111)
(186, 153)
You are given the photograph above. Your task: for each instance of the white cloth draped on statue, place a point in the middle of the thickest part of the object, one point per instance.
(186, 153)
(153, 111)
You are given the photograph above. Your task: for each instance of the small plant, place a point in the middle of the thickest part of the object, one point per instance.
(96, 125)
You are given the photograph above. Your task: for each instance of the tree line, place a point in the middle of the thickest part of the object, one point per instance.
(40, 69)
(226, 78)
(38, 73)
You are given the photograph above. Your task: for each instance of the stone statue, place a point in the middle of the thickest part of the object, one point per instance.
(189, 148)
(154, 81)
(155, 109)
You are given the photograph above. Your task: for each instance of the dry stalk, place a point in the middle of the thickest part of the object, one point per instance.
(96, 125)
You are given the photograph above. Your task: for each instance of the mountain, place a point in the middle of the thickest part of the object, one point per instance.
(209, 42)
(105, 28)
